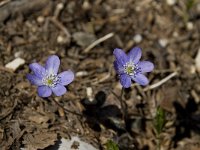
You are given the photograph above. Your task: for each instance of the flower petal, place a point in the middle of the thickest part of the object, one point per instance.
(66, 77)
(120, 56)
(118, 67)
(125, 80)
(135, 54)
(44, 91)
(34, 79)
(52, 64)
(59, 90)
(38, 70)
(146, 66)
(141, 79)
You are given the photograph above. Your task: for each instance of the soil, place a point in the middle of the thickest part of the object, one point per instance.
(169, 35)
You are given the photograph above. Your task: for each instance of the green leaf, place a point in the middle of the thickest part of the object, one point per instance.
(110, 145)
(159, 121)
(190, 4)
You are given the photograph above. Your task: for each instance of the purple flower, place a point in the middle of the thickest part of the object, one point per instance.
(47, 79)
(129, 67)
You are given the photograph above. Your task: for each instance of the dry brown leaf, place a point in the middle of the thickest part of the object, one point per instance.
(38, 118)
(39, 140)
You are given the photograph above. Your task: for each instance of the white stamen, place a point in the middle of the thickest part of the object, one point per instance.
(131, 69)
(51, 80)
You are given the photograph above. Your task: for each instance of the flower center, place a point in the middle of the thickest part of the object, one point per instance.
(51, 80)
(130, 68)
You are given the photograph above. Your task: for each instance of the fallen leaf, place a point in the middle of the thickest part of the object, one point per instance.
(83, 39)
(39, 140)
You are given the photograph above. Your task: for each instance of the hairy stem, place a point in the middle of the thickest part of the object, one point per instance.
(122, 103)
(158, 142)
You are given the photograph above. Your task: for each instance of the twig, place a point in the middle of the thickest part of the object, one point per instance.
(102, 79)
(61, 26)
(153, 86)
(166, 70)
(67, 110)
(59, 8)
(4, 2)
(97, 42)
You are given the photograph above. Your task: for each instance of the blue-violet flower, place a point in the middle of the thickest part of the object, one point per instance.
(47, 78)
(129, 67)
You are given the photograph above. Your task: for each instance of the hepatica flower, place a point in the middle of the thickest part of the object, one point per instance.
(47, 78)
(129, 67)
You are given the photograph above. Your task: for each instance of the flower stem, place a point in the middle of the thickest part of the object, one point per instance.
(158, 142)
(122, 104)
(67, 110)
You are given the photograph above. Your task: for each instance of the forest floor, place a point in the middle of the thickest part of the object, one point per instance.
(84, 33)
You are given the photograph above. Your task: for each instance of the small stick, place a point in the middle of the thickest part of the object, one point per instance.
(60, 26)
(102, 79)
(97, 42)
(4, 2)
(59, 8)
(153, 86)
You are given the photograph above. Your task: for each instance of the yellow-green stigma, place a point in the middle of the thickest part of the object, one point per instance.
(49, 81)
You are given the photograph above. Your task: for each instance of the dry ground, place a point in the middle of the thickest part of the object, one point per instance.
(169, 35)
